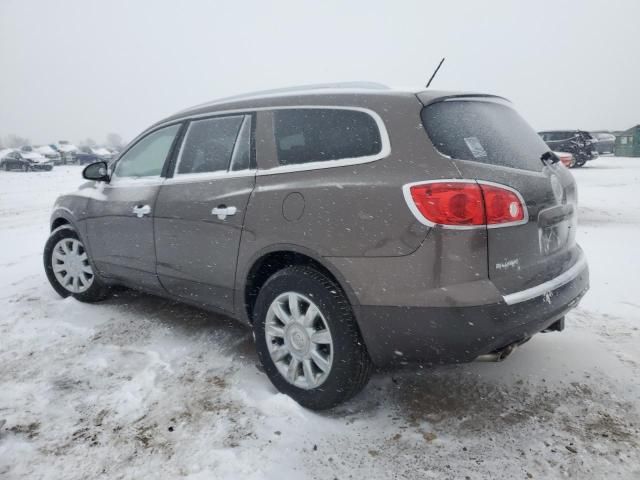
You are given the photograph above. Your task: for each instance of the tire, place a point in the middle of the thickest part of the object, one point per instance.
(580, 163)
(94, 289)
(25, 168)
(347, 365)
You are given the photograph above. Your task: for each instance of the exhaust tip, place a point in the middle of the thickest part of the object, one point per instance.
(498, 355)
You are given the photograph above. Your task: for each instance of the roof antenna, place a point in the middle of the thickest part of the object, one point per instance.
(434, 73)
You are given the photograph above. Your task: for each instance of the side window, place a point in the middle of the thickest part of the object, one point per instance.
(209, 145)
(146, 158)
(321, 134)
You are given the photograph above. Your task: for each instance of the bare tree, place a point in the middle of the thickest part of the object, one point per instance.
(115, 141)
(15, 141)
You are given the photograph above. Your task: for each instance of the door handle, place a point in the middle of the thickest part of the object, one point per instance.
(141, 210)
(222, 211)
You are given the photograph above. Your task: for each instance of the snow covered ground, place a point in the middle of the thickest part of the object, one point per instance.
(138, 387)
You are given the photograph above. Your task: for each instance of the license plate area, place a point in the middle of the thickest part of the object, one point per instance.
(556, 229)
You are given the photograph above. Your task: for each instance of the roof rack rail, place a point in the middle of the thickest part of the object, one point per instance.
(318, 86)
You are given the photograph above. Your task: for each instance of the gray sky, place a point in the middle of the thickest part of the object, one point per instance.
(80, 68)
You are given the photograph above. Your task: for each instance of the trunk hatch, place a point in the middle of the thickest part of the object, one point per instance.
(487, 140)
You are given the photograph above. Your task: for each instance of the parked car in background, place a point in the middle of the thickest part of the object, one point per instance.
(11, 159)
(50, 153)
(102, 153)
(577, 142)
(114, 153)
(67, 150)
(344, 235)
(37, 161)
(86, 155)
(566, 158)
(606, 142)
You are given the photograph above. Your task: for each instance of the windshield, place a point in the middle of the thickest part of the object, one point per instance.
(483, 131)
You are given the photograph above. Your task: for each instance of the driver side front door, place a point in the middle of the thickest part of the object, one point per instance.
(120, 219)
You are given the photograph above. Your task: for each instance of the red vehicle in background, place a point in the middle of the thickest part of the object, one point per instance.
(567, 159)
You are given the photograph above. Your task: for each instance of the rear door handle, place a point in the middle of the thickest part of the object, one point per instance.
(141, 210)
(222, 211)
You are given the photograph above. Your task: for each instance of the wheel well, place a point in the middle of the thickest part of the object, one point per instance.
(58, 222)
(269, 264)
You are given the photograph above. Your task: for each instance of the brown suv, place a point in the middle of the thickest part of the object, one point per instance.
(349, 227)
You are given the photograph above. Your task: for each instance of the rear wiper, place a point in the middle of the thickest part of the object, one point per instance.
(549, 157)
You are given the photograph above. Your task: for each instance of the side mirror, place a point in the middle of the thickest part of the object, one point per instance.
(96, 171)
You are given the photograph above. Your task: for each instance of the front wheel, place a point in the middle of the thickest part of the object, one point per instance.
(69, 269)
(308, 340)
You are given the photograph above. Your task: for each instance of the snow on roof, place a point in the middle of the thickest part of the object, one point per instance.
(46, 150)
(33, 155)
(101, 151)
(6, 151)
(67, 147)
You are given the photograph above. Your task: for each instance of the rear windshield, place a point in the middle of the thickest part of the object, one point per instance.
(483, 131)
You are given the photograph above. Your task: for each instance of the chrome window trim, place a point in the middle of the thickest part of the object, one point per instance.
(206, 176)
(549, 286)
(406, 192)
(385, 147)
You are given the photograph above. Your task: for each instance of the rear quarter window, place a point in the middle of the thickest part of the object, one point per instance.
(321, 134)
(483, 131)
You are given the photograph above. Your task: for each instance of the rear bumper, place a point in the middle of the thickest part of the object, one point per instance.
(437, 335)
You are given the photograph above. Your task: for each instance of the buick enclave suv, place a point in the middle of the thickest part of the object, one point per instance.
(348, 227)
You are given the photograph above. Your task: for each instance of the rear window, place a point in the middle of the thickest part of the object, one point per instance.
(321, 134)
(483, 131)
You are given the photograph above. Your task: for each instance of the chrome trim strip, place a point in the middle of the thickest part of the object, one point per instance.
(385, 149)
(549, 286)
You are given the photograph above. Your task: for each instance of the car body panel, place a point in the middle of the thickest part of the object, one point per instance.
(186, 230)
(403, 278)
(122, 243)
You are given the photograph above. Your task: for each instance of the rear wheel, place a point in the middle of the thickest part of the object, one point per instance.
(25, 167)
(308, 340)
(69, 269)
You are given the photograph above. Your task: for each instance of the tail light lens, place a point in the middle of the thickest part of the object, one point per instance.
(465, 204)
(501, 205)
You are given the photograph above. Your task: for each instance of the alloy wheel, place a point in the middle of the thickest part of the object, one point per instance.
(299, 340)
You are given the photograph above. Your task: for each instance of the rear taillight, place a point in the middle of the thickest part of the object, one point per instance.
(465, 204)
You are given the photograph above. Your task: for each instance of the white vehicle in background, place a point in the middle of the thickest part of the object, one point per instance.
(49, 153)
(67, 151)
(103, 153)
